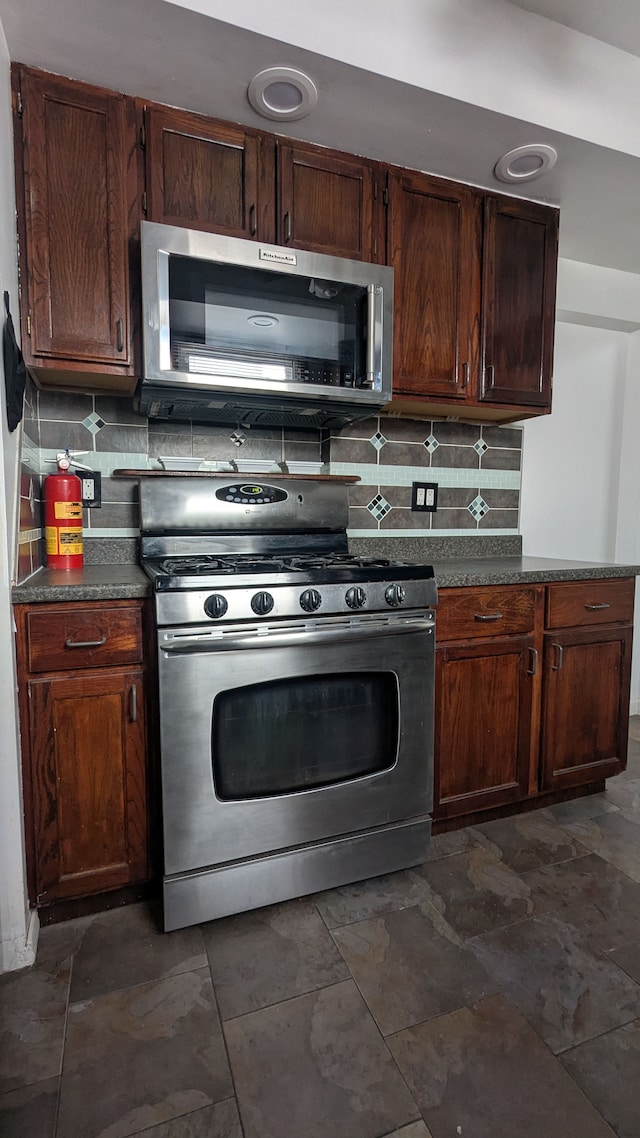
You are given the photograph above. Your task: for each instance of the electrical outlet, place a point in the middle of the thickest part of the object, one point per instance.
(424, 497)
(91, 488)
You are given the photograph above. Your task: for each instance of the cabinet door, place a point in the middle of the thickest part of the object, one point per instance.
(75, 157)
(88, 782)
(518, 291)
(202, 173)
(483, 724)
(434, 248)
(326, 202)
(585, 705)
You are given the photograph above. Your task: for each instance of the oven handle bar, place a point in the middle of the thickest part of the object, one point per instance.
(232, 643)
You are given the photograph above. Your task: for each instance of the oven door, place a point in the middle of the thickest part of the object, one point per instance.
(284, 734)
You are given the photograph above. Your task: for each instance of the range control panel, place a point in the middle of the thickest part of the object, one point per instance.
(251, 494)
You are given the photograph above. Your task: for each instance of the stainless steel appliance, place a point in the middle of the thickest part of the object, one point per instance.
(237, 331)
(296, 694)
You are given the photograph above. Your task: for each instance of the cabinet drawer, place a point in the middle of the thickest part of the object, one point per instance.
(70, 636)
(590, 602)
(491, 611)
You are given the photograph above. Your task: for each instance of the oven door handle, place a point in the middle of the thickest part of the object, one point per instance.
(233, 642)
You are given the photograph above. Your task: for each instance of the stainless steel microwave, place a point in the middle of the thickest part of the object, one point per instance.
(241, 332)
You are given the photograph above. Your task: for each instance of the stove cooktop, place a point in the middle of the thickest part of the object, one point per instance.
(199, 571)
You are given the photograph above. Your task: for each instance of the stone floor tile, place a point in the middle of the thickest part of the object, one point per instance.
(364, 899)
(608, 1071)
(126, 947)
(271, 954)
(218, 1121)
(142, 1056)
(568, 990)
(476, 892)
(452, 842)
(628, 958)
(30, 1112)
(594, 896)
(413, 1130)
(529, 841)
(624, 794)
(614, 837)
(577, 809)
(408, 970)
(483, 1072)
(634, 728)
(33, 1006)
(316, 1066)
(57, 942)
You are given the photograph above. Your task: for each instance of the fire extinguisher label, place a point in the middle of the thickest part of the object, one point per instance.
(62, 541)
(67, 509)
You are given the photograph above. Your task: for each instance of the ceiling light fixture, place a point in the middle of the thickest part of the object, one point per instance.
(525, 163)
(282, 93)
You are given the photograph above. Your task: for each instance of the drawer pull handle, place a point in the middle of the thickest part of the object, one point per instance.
(597, 608)
(287, 227)
(559, 658)
(120, 334)
(465, 376)
(134, 704)
(533, 670)
(253, 228)
(487, 616)
(85, 643)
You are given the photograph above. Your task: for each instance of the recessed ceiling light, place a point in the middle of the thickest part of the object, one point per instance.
(525, 163)
(282, 93)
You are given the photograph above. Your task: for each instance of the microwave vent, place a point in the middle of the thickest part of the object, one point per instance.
(179, 406)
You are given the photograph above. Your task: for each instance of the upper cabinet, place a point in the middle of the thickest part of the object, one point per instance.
(518, 301)
(76, 153)
(205, 174)
(326, 202)
(434, 244)
(474, 272)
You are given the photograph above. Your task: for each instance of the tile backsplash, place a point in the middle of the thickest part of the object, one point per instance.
(477, 468)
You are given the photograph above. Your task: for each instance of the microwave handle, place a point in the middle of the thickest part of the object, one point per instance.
(374, 337)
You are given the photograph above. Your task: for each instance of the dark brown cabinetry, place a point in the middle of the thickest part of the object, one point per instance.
(474, 298)
(434, 248)
(538, 705)
(82, 705)
(519, 262)
(326, 202)
(78, 207)
(587, 676)
(205, 174)
(486, 697)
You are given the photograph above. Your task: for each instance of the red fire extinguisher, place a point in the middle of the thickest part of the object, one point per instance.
(63, 517)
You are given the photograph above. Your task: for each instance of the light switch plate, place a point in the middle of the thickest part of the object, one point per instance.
(424, 497)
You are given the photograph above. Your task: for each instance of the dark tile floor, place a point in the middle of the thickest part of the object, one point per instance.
(493, 991)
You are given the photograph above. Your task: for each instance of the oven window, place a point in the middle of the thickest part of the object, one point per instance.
(296, 734)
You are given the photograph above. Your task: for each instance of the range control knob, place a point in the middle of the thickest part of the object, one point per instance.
(262, 603)
(395, 595)
(216, 605)
(356, 597)
(310, 600)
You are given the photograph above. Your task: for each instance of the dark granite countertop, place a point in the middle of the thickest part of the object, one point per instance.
(459, 571)
(93, 583)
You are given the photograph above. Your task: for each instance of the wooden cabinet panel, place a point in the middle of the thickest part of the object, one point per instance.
(482, 725)
(434, 248)
(89, 785)
(586, 705)
(326, 202)
(202, 173)
(77, 214)
(73, 636)
(590, 602)
(518, 311)
(497, 610)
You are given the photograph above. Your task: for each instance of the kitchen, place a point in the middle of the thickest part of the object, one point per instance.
(584, 529)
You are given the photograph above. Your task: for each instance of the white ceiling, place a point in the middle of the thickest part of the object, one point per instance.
(440, 85)
(616, 22)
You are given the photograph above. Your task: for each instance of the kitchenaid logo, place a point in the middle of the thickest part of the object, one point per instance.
(281, 258)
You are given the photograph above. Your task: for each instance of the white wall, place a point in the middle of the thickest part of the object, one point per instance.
(16, 949)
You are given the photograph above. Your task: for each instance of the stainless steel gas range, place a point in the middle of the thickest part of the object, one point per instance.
(296, 694)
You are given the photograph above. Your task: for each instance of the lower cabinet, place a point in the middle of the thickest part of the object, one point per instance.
(545, 710)
(84, 747)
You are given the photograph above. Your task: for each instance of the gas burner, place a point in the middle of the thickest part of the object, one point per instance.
(198, 565)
